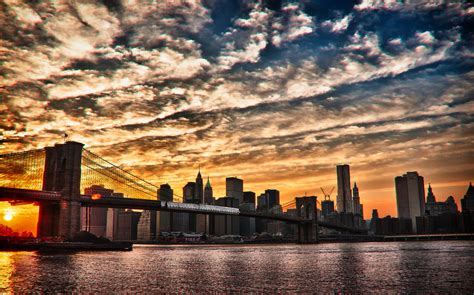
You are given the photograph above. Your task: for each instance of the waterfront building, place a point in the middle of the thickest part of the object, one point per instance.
(234, 188)
(391, 226)
(467, 203)
(434, 208)
(247, 224)
(344, 196)
(94, 220)
(227, 224)
(410, 194)
(208, 193)
(127, 225)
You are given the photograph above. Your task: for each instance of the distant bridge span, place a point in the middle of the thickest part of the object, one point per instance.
(16, 194)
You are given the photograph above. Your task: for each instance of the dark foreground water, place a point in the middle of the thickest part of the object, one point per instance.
(365, 267)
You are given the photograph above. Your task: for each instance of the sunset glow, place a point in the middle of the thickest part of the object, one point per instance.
(274, 93)
(8, 215)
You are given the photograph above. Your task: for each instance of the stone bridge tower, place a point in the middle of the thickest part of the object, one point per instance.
(306, 208)
(62, 174)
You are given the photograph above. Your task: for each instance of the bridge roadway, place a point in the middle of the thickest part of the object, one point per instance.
(205, 209)
(15, 195)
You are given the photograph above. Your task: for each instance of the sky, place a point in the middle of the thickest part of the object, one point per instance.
(275, 92)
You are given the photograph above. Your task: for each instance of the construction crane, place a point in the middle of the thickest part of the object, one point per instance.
(326, 196)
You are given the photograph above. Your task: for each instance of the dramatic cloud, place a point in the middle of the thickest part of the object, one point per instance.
(274, 92)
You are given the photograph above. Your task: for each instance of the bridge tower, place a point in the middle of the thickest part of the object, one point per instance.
(306, 208)
(62, 173)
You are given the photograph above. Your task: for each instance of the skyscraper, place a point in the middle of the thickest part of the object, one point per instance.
(208, 194)
(249, 197)
(198, 193)
(356, 200)
(165, 192)
(344, 197)
(234, 188)
(327, 206)
(410, 192)
(188, 192)
(273, 198)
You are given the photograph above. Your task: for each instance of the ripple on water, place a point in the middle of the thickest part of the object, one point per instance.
(365, 267)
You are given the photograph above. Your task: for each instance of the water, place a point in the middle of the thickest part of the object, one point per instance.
(365, 267)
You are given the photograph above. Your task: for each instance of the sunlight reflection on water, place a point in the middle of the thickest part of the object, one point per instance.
(365, 267)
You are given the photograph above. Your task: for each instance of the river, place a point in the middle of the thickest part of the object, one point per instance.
(435, 266)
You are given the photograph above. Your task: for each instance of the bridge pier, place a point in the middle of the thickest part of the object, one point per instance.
(62, 173)
(307, 231)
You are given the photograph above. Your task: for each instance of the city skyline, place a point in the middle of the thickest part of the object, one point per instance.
(26, 214)
(276, 93)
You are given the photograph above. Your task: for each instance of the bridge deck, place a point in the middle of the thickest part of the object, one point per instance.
(13, 194)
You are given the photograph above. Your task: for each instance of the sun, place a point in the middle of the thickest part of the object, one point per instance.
(8, 215)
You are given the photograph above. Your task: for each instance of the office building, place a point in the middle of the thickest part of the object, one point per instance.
(94, 220)
(189, 191)
(127, 225)
(467, 203)
(165, 192)
(273, 198)
(327, 206)
(208, 194)
(344, 196)
(227, 224)
(234, 188)
(434, 208)
(199, 189)
(249, 198)
(355, 200)
(262, 205)
(410, 193)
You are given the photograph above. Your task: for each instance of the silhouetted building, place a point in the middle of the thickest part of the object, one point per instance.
(249, 198)
(227, 224)
(443, 223)
(356, 199)
(388, 226)
(189, 191)
(273, 198)
(262, 203)
(327, 206)
(208, 194)
(127, 225)
(94, 219)
(344, 196)
(434, 208)
(165, 193)
(410, 192)
(199, 189)
(247, 224)
(467, 205)
(234, 188)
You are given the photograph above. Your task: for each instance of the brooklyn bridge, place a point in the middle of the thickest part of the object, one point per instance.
(55, 178)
